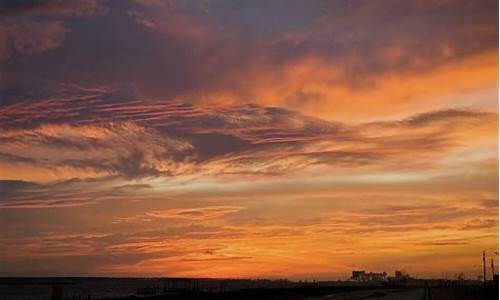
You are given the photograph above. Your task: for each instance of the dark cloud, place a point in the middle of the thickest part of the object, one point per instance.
(9, 188)
(475, 224)
(24, 31)
(489, 203)
(440, 117)
(69, 193)
(445, 242)
(190, 49)
(72, 265)
(448, 116)
(218, 258)
(52, 8)
(30, 37)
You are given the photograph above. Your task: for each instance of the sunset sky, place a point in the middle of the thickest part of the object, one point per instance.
(239, 138)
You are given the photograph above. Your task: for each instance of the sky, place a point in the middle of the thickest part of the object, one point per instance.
(248, 139)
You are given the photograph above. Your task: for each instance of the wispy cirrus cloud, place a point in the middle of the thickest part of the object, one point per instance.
(189, 214)
(140, 138)
(186, 237)
(70, 193)
(156, 137)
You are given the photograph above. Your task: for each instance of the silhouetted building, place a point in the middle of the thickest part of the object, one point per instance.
(358, 275)
(401, 276)
(363, 276)
(377, 276)
(398, 275)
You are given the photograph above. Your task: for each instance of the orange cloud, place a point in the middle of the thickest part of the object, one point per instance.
(190, 214)
(318, 87)
(229, 146)
(153, 138)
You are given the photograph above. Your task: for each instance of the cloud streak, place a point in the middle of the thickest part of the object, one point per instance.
(162, 138)
(152, 138)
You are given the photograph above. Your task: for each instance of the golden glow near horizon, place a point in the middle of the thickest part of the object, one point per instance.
(191, 139)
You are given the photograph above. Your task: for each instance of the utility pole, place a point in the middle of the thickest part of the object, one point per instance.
(492, 269)
(484, 267)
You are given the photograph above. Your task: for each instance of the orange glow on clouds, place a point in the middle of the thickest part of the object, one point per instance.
(317, 87)
(187, 139)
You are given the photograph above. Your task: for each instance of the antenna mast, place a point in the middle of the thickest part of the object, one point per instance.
(484, 267)
(492, 268)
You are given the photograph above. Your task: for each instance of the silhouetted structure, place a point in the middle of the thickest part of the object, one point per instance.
(401, 276)
(494, 277)
(363, 276)
(357, 275)
(484, 267)
(492, 269)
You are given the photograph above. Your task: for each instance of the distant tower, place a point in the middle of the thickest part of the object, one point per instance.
(484, 267)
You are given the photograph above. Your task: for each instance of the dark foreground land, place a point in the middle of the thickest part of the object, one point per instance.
(211, 289)
(347, 293)
(434, 293)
